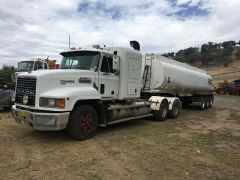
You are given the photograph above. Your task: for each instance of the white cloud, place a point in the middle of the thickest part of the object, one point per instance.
(31, 29)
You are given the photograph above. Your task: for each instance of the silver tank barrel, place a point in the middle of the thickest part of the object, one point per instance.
(168, 75)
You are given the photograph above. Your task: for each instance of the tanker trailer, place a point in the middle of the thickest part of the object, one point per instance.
(166, 77)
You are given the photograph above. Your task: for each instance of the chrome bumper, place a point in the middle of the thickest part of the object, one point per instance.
(41, 121)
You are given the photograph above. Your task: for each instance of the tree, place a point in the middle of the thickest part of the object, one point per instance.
(6, 72)
(209, 53)
(169, 54)
(228, 48)
(238, 53)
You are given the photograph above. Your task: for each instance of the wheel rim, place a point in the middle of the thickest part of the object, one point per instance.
(203, 105)
(211, 103)
(175, 110)
(207, 104)
(164, 111)
(86, 121)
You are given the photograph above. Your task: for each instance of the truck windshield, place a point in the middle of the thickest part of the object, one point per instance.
(86, 60)
(24, 66)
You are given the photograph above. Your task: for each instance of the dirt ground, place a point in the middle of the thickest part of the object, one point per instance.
(196, 145)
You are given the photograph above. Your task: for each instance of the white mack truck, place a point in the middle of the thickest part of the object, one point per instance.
(102, 86)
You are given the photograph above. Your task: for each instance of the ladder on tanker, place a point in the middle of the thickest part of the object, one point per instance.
(147, 73)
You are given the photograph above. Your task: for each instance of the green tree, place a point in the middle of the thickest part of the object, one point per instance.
(228, 47)
(169, 54)
(6, 72)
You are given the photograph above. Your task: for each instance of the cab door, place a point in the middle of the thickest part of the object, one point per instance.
(108, 83)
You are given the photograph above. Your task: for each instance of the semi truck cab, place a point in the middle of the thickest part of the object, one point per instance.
(98, 81)
(30, 65)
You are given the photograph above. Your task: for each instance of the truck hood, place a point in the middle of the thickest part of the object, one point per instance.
(72, 84)
(56, 72)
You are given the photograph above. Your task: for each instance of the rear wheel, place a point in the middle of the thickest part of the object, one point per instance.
(207, 104)
(203, 105)
(162, 113)
(211, 102)
(175, 110)
(83, 122)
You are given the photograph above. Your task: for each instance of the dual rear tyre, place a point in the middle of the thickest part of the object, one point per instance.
(175, 109)
(164, 111)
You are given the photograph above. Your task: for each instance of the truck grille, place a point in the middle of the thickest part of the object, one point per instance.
(26, 86)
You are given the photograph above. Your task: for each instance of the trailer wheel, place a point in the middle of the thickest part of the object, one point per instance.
(211, 103)
(83, 122)
(207, 104)
(162, 113)
(203, 105)
(175, 110)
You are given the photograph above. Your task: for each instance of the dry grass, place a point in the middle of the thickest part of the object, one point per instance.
(197, 145)
(221, 73)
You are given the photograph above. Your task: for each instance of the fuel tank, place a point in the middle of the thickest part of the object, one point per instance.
(169, 76)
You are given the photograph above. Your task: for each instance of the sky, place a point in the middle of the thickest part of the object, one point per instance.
(40, 28)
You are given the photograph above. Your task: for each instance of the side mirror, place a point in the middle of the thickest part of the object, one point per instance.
(116, 64)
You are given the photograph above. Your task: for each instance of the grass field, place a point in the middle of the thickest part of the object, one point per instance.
(197, 145)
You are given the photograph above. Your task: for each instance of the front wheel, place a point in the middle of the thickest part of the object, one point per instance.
(83, 122)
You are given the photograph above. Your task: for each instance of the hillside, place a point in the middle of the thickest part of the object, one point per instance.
(221, 73)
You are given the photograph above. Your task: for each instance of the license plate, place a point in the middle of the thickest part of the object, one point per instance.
(23, 114)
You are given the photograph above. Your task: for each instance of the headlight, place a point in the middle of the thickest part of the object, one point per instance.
(13, 97)
(52, 103)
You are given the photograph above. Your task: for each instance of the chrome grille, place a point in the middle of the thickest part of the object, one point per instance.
(26, 86)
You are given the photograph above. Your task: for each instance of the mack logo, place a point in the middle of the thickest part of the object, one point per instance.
(25, 91)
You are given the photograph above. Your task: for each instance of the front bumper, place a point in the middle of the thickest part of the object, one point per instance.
(41, 121)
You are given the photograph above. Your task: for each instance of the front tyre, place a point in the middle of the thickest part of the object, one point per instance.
(83, 122)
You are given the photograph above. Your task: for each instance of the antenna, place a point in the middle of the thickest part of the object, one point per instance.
(69, 42)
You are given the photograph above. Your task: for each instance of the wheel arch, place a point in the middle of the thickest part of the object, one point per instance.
(96, 104)
(171, 101)
(156, 102)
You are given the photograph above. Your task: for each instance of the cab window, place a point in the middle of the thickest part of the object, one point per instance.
(38, 65)
(107, 64)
